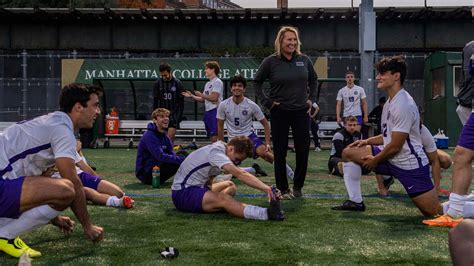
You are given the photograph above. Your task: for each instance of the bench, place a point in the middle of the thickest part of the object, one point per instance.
(134, 129)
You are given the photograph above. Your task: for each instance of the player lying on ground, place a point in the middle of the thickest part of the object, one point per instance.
(402, 153)
(194, 191)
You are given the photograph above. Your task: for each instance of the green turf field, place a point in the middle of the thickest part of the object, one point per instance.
(388, 232)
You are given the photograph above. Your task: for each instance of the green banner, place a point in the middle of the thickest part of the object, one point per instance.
(86, 70)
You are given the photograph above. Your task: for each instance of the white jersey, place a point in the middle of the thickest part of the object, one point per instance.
(239, 117)
(427, 140)
(351, 99)
(194, 170)
(400, 114)
(29, 148)
(214, 85)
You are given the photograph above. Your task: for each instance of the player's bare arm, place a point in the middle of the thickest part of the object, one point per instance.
(390, 150)
(245, 177)
(67, 170)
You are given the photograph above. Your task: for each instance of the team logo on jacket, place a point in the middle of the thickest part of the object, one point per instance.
(163, 147)
(245, 112)
(173, 88)
(298, 63)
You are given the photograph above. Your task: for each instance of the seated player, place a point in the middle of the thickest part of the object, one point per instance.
(156, 149)
(97, 190)
(193, 190)
(340, 141)
(238, 112)
(402, 153)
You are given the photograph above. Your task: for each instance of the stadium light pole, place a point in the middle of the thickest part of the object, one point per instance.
(367, 35)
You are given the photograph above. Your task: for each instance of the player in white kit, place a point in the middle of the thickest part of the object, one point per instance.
(211, 96)
(194, 191)
(238, 112)
(402, 154)
(29, 200)
(353, 97)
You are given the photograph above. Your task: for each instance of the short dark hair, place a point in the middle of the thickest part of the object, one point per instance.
(77, 93)
(165, 67)
(238, 79)
(394, 64)
(213, 65)
(242, 145)
(349, 72)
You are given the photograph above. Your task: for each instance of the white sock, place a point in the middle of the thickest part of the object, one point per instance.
(445, 206)
(456, 205)
(468, 210)
(352, 175)
(28, 221)
(250, 170)
(289, 172)
(255, 212)
(385, 177)
(113, 201)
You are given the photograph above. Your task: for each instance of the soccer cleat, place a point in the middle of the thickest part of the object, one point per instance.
(126, 202)
(274, 211)
(349, 205)
(317, 149)
(444, 221)
(16, 247)
(388, 182)
(259, 170)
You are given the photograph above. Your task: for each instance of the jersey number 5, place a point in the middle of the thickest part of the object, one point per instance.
(236, 121)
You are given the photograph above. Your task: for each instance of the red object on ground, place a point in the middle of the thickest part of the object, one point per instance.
(112, 125)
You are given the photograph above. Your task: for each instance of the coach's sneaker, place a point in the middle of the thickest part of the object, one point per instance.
(287, 195)
(349, 205)
(259, 170)
(297, 192)
(388, 182)
(444, 221)
(16, 247)
(126, 202)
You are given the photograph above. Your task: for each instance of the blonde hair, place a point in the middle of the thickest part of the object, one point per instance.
(160, 112)
(281, 34)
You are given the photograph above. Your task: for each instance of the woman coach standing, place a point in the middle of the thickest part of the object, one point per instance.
(291, 76)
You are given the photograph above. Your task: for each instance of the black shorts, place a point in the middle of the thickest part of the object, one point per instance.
(174, 122)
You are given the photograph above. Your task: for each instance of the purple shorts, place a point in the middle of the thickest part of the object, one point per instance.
(466, 138)
(90, 181)
(210, 122)
(415, 182)
(257, 142)
(10, 194)
(189, 199)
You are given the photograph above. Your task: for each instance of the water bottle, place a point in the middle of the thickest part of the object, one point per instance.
(155, 181)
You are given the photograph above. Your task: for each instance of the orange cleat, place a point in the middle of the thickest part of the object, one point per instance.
(444, 221)
(127, 202)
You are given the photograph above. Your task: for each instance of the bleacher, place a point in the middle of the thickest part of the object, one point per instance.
(134, 129)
